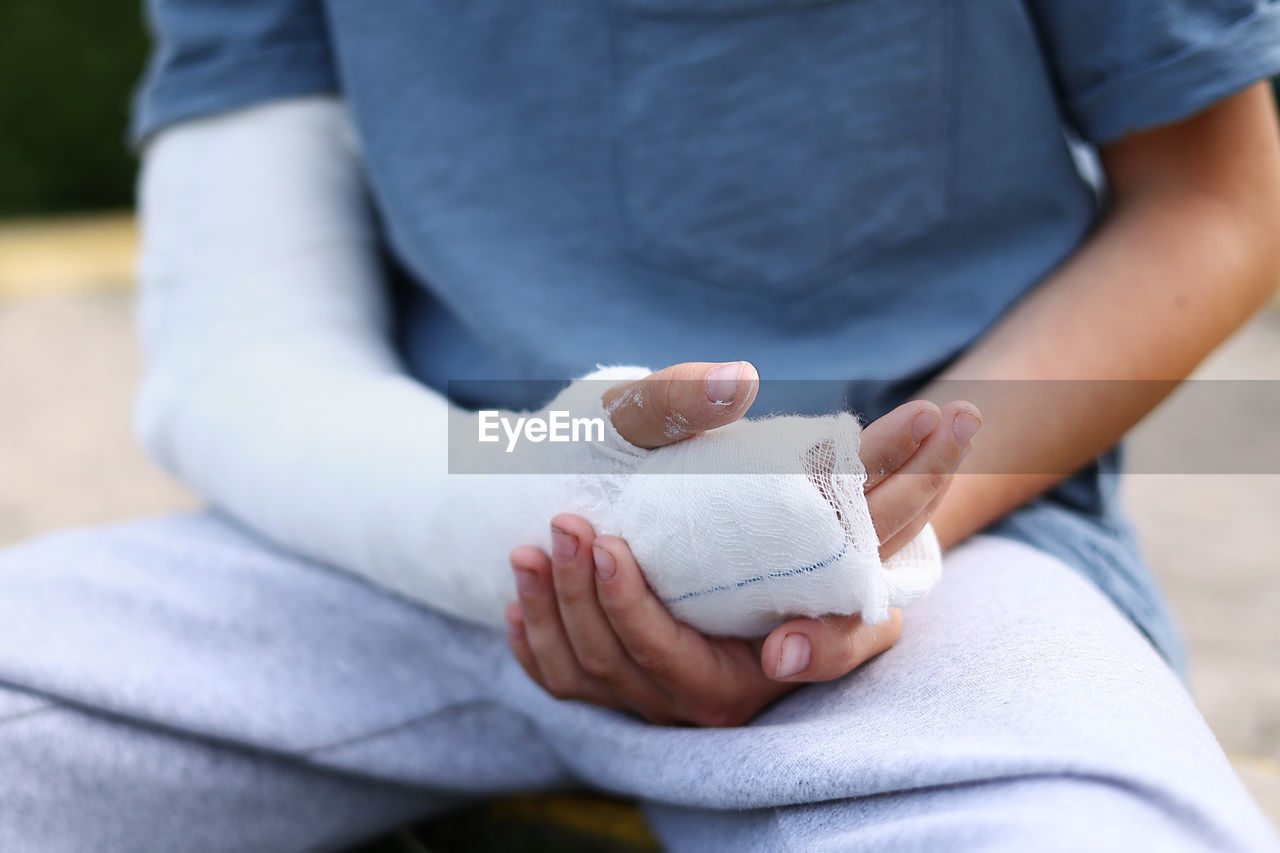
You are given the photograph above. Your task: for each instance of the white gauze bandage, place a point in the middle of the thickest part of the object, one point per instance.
(736, 529)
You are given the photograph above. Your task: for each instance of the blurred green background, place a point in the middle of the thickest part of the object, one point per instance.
(68, 68)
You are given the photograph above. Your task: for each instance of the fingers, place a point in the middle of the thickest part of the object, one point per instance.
(680, 401)
(573, 570)
(537, 636)
(560, 635)
(825, 649)
(912, 528)
(634, 656)
(709, 681)
(888, 442)
(518, 640)
(595, 646)
(663, 648)
(904, 499)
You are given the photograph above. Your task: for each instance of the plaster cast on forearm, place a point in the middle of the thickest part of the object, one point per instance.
(272, 389)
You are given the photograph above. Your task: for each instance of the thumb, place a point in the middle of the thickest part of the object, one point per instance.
(681, 401)
(827, 648)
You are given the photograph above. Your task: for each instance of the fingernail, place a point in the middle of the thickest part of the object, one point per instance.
(722, 383)
(564, 545)
(924, 425)
(526, 582)
(964, 426)
(605, 565)
(794, 656)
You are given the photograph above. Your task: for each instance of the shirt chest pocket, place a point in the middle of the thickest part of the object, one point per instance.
(766, 145)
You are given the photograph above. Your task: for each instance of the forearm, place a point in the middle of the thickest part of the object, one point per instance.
(270, 385)
(1183, 258)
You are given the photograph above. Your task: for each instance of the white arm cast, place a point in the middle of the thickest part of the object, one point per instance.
(271, 387)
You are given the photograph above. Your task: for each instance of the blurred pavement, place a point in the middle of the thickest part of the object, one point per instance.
(68, 364)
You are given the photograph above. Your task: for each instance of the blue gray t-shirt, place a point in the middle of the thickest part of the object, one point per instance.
(832, 189)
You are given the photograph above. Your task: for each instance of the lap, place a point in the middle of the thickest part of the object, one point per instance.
(191, 625)
(1043, 814)
(74, 781)
(1014, 669)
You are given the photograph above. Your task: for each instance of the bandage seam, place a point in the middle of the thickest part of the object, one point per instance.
(788, 573)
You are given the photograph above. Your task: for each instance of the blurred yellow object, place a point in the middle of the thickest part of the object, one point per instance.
(67, 254)
(593, 816)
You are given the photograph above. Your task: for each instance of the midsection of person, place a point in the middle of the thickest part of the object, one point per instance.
(849, 191)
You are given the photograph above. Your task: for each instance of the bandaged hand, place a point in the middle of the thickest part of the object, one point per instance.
(588, 626)
(740, 527)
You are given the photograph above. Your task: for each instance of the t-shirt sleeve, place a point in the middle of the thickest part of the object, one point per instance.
(1127, 65)
(210, 56)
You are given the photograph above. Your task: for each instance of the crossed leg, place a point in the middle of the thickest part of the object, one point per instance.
(1020, 710)
(177, 683)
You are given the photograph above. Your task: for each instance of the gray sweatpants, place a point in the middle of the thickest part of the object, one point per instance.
(176, 684)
